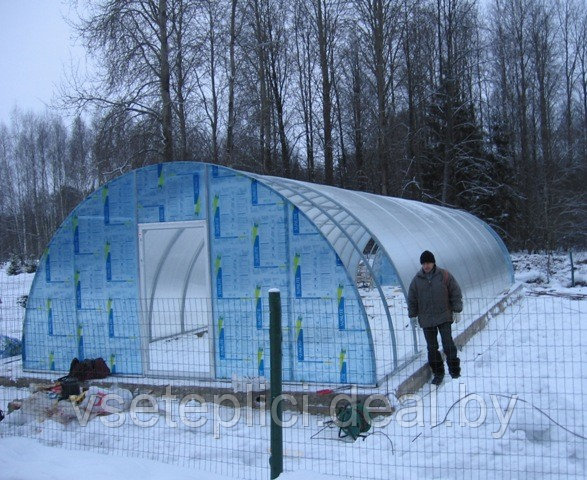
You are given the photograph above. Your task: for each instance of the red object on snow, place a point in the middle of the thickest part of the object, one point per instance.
(326, 391)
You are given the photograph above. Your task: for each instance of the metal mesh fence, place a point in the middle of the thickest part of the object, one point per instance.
(516, 411)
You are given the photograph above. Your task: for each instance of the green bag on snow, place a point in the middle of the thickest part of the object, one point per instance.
(352, 420)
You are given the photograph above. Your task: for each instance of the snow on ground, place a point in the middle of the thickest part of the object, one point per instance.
(551, 273)
(191, 350)
(517, 411)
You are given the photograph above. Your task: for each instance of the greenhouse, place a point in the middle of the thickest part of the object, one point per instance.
(165, 270)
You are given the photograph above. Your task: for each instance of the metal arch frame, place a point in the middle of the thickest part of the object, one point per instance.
(329, 216)
(282, 183)
(336, 224)
(151, 298)
(485, 239)
(383, 204)
(502, 247)
(446, 219)
(188, 275)
(341, 198)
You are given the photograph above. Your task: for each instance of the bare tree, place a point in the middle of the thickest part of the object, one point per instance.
(208, 77)
(276, 34)
(325, 23)
(418, 98)
(261, 61)
(381, 28)
(181, 67)
(13, 232)
(305, 66)
(580, 38)
(455, 37)
(130, 41)
(357, 106)
(419, 52)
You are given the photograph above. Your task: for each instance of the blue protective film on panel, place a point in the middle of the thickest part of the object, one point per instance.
(260, 241)
(86, 274)
(85, 297)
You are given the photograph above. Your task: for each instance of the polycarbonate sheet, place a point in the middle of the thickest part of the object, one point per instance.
(403, 229)
(344, 232)
(327, 336)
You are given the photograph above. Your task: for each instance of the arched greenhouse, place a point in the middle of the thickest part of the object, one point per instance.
(165, 270)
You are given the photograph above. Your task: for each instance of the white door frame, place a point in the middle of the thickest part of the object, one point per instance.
(147, 297)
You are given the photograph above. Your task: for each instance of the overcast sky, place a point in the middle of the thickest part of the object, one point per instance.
(36, 49)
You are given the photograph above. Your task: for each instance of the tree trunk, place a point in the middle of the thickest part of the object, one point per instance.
(231, 80)
(326, 93)
(264, 91)
(165, 84)
(357, 107)
(380, 80)
(343, 159)
(275, 81)
(214, 93)
(178, 23)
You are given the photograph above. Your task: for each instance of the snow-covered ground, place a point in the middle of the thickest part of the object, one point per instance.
(517, 411)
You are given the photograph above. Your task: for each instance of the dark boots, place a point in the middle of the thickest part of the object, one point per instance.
(437, 366)
(454, 367)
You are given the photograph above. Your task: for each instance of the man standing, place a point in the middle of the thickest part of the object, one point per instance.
(434, 296)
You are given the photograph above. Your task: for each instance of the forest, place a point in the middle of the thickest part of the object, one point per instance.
(470, 104)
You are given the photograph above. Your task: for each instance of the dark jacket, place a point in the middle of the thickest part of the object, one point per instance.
(434, 299)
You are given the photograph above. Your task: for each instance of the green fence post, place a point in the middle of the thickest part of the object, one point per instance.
(276, 458)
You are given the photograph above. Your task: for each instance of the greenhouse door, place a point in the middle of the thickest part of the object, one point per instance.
(175, 299)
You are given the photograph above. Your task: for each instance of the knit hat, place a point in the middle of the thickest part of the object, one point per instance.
(427, 257)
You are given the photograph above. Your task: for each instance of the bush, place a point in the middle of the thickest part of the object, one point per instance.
(18, 265)
(30, 266)
(15, 265)
(9, 347)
